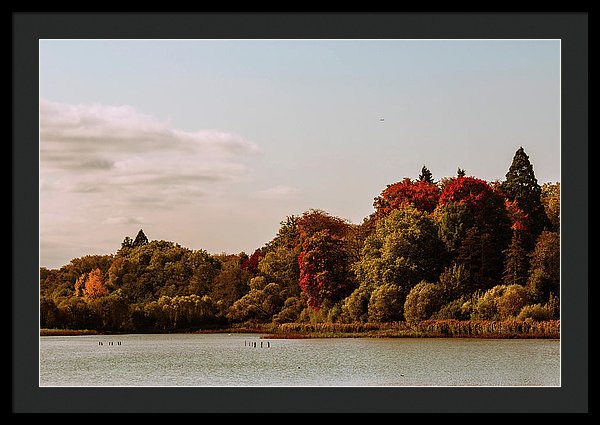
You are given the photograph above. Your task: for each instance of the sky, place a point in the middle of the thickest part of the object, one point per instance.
(213, 143)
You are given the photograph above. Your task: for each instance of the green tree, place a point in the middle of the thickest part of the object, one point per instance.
(453, 220)
(522, 186)
(512, 300)
(454, 280)
(404, 250)
(231, 284)
(280, 265)
(291, 310)
(260, 304)
(355, 307)
(550, 198)
(516, 265)
(426, 175)
(479, 256)
(385, 304)
(544, 275)
(502, 302)
(49, 313)
(140, 239)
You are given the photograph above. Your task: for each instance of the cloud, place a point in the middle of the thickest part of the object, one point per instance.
(72, 136)
(95, 128)
(94, 148)
(276, 192)
(124, 220)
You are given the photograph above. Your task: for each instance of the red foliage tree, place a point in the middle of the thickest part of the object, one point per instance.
(324, 269)
(314, 221)
(517, 216)
(421, 194)
(324, 259)
(251, 263)
(467, 190)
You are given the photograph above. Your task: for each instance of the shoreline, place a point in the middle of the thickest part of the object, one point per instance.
(425, 329)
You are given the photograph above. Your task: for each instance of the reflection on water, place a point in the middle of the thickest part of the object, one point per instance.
(225, 360)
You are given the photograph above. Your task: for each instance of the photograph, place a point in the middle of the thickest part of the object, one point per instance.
(306, 212)
(300, 212)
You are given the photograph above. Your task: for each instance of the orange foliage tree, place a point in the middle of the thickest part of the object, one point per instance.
(94, 286)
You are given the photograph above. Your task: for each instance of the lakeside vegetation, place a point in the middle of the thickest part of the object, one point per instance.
(455, 257)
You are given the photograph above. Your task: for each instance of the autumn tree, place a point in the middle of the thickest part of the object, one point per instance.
(324, 269)
(231, 283)
(314, 221)
(94, 285)
(474, 223)
(49, 313)
(251, 263)
(287, 235)
(323, 263)
(421, 194)
(502, 302)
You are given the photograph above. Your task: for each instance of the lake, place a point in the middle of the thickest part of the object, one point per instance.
(238, 360)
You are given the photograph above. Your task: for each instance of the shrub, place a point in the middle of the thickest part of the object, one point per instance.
(385, 304)
(422, 301)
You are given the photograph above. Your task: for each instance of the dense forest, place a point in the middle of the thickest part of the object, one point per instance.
(459, 248)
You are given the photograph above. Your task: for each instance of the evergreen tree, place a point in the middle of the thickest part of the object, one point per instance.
(479, 257)
(522, 186)
(516, 265)
(426, 175)
(127, 242)
(140, 239)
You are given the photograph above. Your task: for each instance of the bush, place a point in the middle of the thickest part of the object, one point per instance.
(537, 312)
(355, 307)
(385, 304)
(502, 302)
(453, 310)
(422, 301)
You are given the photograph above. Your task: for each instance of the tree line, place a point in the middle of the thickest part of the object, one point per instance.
(460, 248)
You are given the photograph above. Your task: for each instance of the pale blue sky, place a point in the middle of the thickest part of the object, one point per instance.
(211, 143)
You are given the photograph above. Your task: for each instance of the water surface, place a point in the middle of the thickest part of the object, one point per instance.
(232, 360)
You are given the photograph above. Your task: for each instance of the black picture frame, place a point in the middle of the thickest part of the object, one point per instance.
(571, 28)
